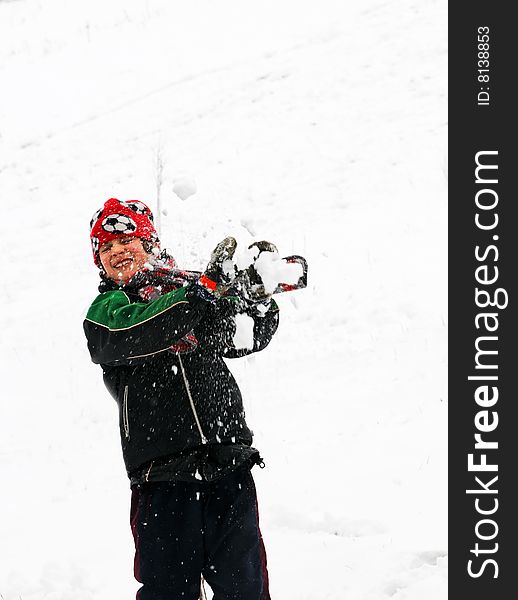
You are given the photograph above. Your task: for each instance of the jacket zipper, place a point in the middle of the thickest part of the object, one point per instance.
(188, 389)
(125, 414)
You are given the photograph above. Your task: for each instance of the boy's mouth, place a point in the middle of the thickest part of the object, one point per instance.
(121, 264)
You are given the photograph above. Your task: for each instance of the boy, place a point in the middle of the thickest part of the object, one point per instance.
(160, 337)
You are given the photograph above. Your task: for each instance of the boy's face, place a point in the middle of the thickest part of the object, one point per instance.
(122, 257)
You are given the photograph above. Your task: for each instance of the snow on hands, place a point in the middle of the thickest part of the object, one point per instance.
(270, 266)
(228, 269)
(272, 270)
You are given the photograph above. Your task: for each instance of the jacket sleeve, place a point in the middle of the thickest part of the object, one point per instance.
(265, 326)
(217, 328)
(121, 332)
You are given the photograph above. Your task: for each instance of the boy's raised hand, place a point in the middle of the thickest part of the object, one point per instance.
(221, 270)
(250, 284)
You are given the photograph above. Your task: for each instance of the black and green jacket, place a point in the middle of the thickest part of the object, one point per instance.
(171, 404)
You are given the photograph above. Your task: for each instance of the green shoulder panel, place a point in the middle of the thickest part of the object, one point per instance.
(114, 310)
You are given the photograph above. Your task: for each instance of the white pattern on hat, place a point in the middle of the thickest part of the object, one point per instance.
(118, 223)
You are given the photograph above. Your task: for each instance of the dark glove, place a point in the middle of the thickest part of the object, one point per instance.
(220, 271)
(263, 246)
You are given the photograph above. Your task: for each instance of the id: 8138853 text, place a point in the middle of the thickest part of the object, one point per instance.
(483, 66)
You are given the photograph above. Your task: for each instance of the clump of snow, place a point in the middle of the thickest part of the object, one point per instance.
(273, 270)
(184, 187)
(270, 266)
(244, 334)
(228, 268)
(244, 256)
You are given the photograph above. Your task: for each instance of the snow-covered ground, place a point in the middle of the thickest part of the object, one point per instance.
(320, 126)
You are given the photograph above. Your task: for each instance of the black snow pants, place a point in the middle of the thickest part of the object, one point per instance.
(185, 529)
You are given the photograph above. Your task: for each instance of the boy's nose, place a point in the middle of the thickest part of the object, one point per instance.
(117, 246)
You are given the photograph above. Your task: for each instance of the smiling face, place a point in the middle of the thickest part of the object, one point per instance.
(122, 257)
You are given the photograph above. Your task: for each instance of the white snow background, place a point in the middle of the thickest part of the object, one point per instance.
(320, 126)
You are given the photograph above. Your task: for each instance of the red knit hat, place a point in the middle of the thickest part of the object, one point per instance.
(116, 219)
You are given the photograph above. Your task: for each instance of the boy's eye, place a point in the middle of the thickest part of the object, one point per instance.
(127, 240)
(105, 248)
